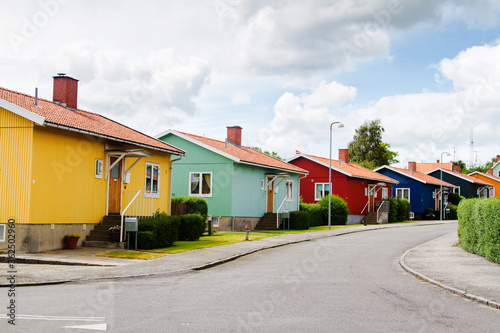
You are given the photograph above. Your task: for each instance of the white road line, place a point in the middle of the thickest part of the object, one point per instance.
(60, 318)
(95, 327)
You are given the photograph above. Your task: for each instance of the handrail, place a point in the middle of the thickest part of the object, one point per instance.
(365, 207)
(278, 213)
(380, 207)
(123, 213)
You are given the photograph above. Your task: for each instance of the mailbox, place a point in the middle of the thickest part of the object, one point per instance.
(131, 224)
(285, 214)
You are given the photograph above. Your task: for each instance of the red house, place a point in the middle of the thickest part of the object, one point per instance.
(362, 188)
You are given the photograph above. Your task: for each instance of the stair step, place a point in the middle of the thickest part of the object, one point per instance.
(104, 244)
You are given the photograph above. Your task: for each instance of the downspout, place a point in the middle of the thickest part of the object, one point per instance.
(305, 175)
(170, 189)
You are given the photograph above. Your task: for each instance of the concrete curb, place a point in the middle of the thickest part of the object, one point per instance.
(456, 291)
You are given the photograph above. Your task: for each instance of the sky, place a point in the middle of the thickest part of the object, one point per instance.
(282, 70)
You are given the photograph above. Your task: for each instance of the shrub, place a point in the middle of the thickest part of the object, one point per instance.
(145, 240)
(315, 214)
(479, 227)
(399, 210)
(339, 210)
(453, 212)
(191, 227)
(454, 198)
(393, 209)
(299, 220)
(195, 205)
(163, 227)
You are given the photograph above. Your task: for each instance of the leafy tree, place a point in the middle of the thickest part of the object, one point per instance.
(272, 154)
(368, 149)
(481, 168)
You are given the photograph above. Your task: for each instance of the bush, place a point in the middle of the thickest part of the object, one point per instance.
(315, 214)
(145, 240)
(479, 227)
(399, 210)
(453, 212)
(191, 227)
(454, 198)
(164, 231)
(195, 205)
(299, 220)
(339, 210)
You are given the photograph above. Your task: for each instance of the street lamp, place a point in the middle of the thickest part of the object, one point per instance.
(445, 153)
(340, 125)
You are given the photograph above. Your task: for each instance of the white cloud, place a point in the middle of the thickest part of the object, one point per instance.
(240, 99)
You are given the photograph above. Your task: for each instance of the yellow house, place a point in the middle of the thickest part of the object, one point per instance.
(62, 170)
(488, 177)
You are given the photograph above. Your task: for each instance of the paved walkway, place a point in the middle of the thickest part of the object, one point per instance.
(437, 261)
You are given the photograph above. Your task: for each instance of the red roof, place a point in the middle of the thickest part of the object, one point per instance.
(245, 154)
(420, 176)
(93, 123)
(351, 169)
(428, 167)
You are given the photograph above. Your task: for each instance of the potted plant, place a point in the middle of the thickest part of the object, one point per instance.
(71, 240)
(114, 233)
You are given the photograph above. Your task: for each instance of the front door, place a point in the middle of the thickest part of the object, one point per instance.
(270, 194)
(115, 187)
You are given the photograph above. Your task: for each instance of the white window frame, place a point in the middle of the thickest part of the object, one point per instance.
(402, 189)
(151, 194)
(98, 168)
(385, 193)
(199, 194)
(3, 228)
(456, 190)
(316, 198)
(215, 222)
(289, 190)
(262, 185)
(492, 192)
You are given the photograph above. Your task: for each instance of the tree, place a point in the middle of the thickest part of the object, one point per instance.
(272, 154)
(368, 149)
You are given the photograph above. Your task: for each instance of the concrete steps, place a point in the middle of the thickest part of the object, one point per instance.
(267, 222)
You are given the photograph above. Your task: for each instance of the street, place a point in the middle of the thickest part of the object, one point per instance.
(350, 283)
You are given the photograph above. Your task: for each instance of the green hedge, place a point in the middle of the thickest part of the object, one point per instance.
(453, 212)
(195, 205)
(191, 227)
(399, 210)
(315, 214)
(299, 220)
(164, 231)
(479, 227)
(339, 210)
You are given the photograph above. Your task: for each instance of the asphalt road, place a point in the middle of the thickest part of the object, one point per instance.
(350, 283)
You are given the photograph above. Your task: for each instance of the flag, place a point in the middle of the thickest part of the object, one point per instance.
(297, 152)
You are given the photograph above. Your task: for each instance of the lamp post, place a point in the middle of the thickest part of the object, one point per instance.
(445, 153)
(340, 125)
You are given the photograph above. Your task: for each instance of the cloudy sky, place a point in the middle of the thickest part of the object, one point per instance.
(283, 70)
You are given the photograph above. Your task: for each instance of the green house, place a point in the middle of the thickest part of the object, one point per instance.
(242, 186)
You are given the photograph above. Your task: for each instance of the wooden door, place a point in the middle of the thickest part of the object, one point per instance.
(270, 195)
(115, 187)
(371, 198)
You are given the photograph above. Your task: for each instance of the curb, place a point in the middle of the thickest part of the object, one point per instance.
(456, 291)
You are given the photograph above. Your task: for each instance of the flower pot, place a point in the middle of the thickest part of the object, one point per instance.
(114, 237)
(71, 243)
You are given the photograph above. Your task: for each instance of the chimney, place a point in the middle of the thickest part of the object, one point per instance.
(412, 166)
(437, 161)
(456, 168)
(234, 135)
(490, 172)
(344, 155)
(65, 91)
(498, 158)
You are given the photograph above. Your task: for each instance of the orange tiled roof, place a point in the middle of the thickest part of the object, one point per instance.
(83, 120)
(353, 169)
(246, 154)
(422, 176)
(467, 177)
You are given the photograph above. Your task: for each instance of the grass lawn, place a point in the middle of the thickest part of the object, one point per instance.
(125, 254)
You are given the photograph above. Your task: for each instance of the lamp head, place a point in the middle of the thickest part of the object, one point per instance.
(341, 125)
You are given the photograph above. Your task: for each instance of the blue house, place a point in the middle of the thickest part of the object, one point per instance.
(241, 185)
(423, 191)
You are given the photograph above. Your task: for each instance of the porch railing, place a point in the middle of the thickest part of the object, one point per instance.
(383, 204)
(287, 204)
(137, 205)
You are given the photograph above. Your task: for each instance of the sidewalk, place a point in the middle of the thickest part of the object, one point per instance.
(437, 261)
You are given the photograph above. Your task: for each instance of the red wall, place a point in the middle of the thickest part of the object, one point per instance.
(352, 190)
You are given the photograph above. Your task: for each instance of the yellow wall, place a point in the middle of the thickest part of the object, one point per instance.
(15, 166)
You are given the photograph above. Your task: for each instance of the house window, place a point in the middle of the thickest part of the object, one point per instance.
(456, 190)
(152, 180)
(403, 193)
(289, 190)
(321, 190)
(492, 192)
(262, 185)
(200, 184)
(385, 193)
(98, 168)
(215, 222)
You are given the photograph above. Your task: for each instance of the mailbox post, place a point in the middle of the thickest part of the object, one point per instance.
(131, 226)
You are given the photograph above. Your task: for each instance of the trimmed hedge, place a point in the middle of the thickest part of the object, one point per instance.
(195, 205)
(315, 214)
(191, 227)
(339, 210)
(453, 212)
(454, 198)
(158, 231)
(299, 220)
(479, 227)
(399, 210)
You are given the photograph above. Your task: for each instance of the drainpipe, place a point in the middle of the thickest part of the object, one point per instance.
(298, 203)
(170, 190)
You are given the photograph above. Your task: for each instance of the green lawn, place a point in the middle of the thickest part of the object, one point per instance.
(127, 254)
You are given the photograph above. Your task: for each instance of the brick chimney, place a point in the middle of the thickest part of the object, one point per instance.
(234, 135)
(456, 168)
(65, 90)
(498, 158)
(344, 155)
(490, 172)
(412, 166)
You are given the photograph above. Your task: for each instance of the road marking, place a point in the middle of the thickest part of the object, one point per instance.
(95, 327)
(60, 318)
